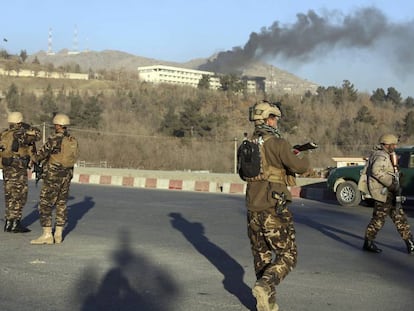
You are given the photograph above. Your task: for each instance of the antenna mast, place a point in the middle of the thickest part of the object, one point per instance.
(49, 43)
(75, 42)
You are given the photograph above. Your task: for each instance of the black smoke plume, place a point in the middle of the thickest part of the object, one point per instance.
(312, 36)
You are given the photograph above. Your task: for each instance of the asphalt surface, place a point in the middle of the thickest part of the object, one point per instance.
(141, 249)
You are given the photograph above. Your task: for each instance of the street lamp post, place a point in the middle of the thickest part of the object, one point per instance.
(235, 155)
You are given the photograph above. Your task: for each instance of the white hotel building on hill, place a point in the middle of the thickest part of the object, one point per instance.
(189, 77)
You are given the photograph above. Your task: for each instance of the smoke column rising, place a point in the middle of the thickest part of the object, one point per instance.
(311, 36)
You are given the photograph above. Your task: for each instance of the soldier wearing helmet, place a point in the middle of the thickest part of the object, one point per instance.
(262, 111)
(379, 181)
(15, 117)
(58, 157)
(61, 119)
(271, 231)
(16, 146)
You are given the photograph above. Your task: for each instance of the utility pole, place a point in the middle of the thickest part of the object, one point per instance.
(235, 155)
(44, 133)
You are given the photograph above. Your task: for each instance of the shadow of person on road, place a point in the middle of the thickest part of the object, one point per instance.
(132, 284)
(32, 217)
(337, 234)
(330, 231)
(76, 212)
(232, 271)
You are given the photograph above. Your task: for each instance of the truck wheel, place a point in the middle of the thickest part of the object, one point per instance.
(348, 194)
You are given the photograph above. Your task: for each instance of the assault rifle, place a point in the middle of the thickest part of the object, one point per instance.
(38, 170)
(308, 146)
(37, 166)
(26, 126)
(399, 198)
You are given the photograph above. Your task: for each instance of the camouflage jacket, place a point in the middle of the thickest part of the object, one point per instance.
(379, 172)
(51, 146)
(25, 136)
(279, 154)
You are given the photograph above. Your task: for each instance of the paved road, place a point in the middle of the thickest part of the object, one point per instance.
(140, 249)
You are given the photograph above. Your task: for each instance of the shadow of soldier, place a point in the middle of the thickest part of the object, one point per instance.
(32, 217)
(339, 235)
(132, 284)
(232, 271)
(75, 213)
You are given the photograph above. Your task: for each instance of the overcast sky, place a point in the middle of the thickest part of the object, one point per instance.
(370, 43)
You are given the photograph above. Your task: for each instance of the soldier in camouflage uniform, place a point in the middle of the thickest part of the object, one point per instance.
(270, 229)
(382, 187)
(16, 144)
(56, 182)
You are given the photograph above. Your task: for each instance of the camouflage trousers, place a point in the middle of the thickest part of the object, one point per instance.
(381, 211)
(54, 193)
(15, 189)
(272, 239)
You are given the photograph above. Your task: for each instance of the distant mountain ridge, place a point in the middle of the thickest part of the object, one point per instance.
(115, 60)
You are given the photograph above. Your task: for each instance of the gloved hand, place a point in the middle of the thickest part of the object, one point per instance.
(394, 188)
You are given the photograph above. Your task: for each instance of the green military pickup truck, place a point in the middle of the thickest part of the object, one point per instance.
(343, 181)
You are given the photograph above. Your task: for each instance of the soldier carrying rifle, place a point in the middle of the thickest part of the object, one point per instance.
(16, 143)
(380, 179)
(269, 221)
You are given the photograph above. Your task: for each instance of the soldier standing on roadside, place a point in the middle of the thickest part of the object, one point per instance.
(270, 229)
(378, 181)
(58, 156)
(16, 144)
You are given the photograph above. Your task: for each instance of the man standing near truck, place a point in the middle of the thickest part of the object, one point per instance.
(382, 184)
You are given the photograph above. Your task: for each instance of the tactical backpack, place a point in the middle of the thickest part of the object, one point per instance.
(253, 166)
(248, 159)
(251, 161)
(68, 153)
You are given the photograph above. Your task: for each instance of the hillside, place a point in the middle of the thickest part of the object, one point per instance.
(113, 60)
(181, 128)
(197, 128)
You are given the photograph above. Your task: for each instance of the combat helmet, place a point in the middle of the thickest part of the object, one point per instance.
(262, 111)
(61, 119)
(15, 117)
(388, 139)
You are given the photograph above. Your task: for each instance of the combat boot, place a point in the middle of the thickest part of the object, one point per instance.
(58, 234)
(261, 292)
(370, 246)
(17, 227)
(273, 306)
(410, 246)
(8, 225)
(45, 238)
